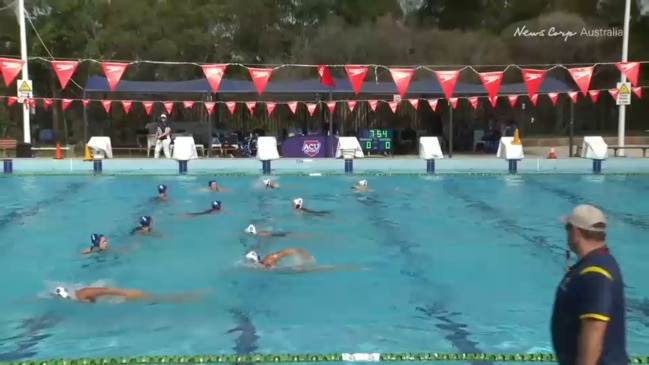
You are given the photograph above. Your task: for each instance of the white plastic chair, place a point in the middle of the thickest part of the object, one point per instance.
(150, 144)
(477, 139)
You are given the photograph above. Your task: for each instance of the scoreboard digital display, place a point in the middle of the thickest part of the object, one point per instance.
(375, 140)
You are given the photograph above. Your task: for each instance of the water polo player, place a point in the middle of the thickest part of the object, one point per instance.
(215, 208)
(213, 186)
(298, 204)
(266, 233)
(361, 187)
(271, 261)
(146, 226)
(99, 243)
(270, 184)
(162, 192)
(91, 294)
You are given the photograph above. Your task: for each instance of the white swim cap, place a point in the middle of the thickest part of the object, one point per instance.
(61, 292)
(267, 182)
(298, 202)
(253, 257)
(362, 183)
(251, 229)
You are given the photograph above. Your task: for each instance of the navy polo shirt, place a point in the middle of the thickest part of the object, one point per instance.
(591, 289)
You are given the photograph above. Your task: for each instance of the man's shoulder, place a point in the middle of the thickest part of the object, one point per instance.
(603, 265)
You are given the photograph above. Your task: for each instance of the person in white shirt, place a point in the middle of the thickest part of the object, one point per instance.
(163, 138)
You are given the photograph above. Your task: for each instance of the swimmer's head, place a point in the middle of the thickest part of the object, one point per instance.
(267, 183)
(251, 229)
(216, 205)
(162, 189)
(252, 257)
(298, 203)
(61, 292)
(362, 183)
(145, 221)
(212, 184)
(98, 241)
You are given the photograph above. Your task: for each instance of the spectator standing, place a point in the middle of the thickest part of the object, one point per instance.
(163, 138)
(588, 319)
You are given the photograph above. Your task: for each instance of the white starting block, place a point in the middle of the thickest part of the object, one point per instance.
(101, 147)
(430, 150)
(266, 152)
(352, 149)
(595, 148)
(184, 148)
(511, 149)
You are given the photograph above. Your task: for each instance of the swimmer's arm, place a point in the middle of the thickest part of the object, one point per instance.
(87, 251)
(292, 251)
(311, 269)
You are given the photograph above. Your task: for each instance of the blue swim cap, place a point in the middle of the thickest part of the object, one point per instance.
(209, 184)
(216, 205)
(145, 221)
(162, 188)
(95, 238)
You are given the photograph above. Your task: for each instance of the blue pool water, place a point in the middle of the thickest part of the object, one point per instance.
(455, 264)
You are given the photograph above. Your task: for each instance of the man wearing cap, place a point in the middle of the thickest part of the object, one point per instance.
(163, 138)
(588, 324)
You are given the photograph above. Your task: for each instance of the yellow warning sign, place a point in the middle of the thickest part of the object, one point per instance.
(24, 87)
(624, 89)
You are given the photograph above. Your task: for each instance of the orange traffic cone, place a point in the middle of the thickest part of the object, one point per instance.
(57, 153)
(517, 138)
(87, 156)
(552, 155)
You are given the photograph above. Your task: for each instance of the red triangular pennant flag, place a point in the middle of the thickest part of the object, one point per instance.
(332, 106)
(637, 91)
(553, 98)
(512, 100)
(251, 106)
(113, 72)
(65, 103)
(493, 101)
(11, 100)
(401, 78)
(107, 104)
(534, 99)
(260, 77)
(10, 69)
(214, 75)
(414, 103)
(582, 76)
(447, 81)
(148, 106)
(64, 71)
(453, 102)
(85, 103)
(356, 74)
(373, 104)
(311, 108)
(47, 102)
(188, 104)
(169, 106)
(293, 106)
(573, 96)
(630, 70)
(209, 107)
(126, 104)
(232, 106)
(270, 106)
(594, 95)
(491, 82)
(533, 79)
(325, 76)
(32, 103)
(433, 104)
(351, 104)
(614, 92)
(393, 106)
(474, 102)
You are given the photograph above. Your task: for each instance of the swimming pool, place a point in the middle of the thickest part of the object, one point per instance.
(455, 264)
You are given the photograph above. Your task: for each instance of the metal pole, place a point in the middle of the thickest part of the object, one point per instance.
(450, 130)
(621, 124)
(27, 138)
(571, 131)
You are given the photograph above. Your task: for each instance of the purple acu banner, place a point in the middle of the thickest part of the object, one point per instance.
(318, 146)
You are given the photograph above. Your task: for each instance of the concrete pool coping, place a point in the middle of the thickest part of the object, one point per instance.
(324, 166)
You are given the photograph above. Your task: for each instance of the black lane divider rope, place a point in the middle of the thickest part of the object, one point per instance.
(509, 225)
(458, 333)
(575, 199)
(17, 215)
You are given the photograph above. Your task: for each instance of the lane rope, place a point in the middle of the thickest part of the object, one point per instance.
(304, 358)
(318, 174)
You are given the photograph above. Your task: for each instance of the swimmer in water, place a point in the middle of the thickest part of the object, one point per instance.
(215, 208)
(264, 233)
(99, 244)
(91, 294)
(270, 184)
(162, 192)
(298, 204)
(270, 262)
(213, 186)
(146, 227)
(361, 187)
